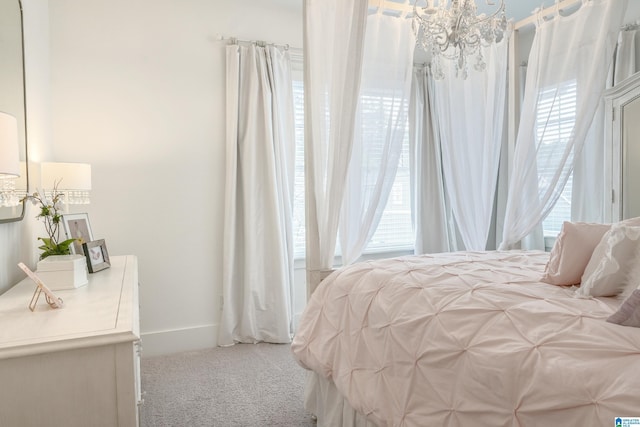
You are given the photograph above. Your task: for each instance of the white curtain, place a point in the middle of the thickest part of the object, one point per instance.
(429, 208)
(470, 118)
(589, 173)
(568, 53)
(380, 129)
(535, 238)
(258, 247)
(334, 45)
(589, 170)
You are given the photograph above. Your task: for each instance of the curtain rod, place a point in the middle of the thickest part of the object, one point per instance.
(551, 10)
(560, 5)
(391, 5)
(262, 43)
(391, 8)
(631, 26)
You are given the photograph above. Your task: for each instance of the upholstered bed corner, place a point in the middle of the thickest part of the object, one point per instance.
(466, 338)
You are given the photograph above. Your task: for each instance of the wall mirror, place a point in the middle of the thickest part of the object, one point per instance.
(630, 170)
(623, 142)
(12, 91)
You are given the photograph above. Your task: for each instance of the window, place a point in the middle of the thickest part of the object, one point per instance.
(395, 229)
(555, 121)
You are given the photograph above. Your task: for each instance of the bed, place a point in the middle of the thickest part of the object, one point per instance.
(467, 339)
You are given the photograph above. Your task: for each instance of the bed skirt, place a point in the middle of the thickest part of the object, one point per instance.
(322, 399)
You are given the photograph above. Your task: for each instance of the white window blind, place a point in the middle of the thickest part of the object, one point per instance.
(555, 121)
(298, 188)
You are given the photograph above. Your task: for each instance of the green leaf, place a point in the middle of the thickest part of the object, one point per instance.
(66, 244)
(50, 248)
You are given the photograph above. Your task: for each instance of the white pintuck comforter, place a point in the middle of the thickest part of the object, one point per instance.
(469, 339)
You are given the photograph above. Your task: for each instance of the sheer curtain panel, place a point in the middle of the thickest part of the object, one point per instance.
(589, 174)
(258, 245)
(429, 209)
(333, 44)
(570, 53)
(381, 123)
(471, 116)
(589, 171)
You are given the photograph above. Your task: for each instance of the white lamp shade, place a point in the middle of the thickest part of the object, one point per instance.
(67, 176)
(21, 183)
(9, 151)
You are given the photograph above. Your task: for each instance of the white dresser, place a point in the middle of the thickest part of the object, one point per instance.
(74, 366)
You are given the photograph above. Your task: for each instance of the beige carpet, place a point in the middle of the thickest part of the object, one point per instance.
(243, 385)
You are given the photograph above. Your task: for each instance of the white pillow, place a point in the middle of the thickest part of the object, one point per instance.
(572, 251)
(631, 221)
(608, 269)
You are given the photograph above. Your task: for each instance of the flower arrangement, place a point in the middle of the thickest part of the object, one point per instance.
(51, 216)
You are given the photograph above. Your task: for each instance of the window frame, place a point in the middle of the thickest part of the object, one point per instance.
(299, 216)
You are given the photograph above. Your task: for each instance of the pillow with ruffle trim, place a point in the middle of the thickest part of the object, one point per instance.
(607, 273)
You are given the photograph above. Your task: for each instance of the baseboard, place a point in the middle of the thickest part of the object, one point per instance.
(159, 343)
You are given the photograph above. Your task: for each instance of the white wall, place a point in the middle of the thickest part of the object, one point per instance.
(138, 92)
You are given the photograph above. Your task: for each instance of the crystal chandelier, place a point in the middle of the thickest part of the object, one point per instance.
(451, 29)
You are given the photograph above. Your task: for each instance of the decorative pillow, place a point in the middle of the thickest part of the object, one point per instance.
(629, 312)
(572, 251)
(631, 221)
(633, 275)
(607, 272)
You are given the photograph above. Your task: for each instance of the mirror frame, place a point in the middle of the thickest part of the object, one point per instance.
(24, 124)
(616, 99)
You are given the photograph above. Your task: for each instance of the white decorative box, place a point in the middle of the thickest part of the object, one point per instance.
(60, 272)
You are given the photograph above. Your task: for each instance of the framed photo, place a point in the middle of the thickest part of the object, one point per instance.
(77, 226)
(97, 255)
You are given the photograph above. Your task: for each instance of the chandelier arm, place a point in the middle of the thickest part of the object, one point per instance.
(430, 24)
(443, 46)
(441, 36)
(490, 17)
(472, 40)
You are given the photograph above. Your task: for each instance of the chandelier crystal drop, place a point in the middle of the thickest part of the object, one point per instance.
(452, 29)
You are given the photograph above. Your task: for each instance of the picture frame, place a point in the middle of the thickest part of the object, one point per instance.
(77, 226)
(97, 255)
